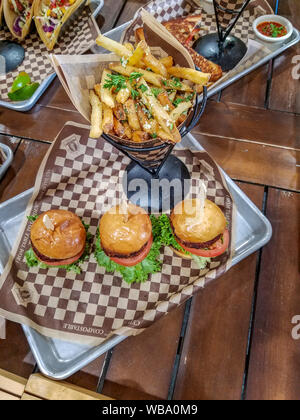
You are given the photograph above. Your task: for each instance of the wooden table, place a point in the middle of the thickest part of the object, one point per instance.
(234, 339)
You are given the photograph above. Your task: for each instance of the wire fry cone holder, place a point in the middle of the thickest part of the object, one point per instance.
(153, 160)
(223, 48)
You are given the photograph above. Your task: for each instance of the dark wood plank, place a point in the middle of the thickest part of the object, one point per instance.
(131, 6)
(109, 14)
(22, 173)
(274, 370)
(141, 366)
(257, 163)
(285, 90)
(250, 90)
(40, 123)
(15, 354)
(213, 357)
(250, 123)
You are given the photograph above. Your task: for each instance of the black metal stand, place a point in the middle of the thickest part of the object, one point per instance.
(13, 55)
(222, 48)
(151, 177)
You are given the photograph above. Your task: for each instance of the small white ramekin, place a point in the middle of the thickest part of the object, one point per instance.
(273, 18)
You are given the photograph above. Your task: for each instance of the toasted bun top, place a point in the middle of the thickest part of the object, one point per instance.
(190, 224)
(125, 229)
(65, 241)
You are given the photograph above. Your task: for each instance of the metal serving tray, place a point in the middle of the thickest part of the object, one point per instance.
(9, 157)
(116, 33)
(58, 359)
(95, 6)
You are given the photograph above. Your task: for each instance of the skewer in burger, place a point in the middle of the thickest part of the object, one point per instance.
(128, 243)
(58, 239)
(196, 231)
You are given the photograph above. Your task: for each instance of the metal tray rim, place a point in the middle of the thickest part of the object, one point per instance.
(24, 106)
(8, 161)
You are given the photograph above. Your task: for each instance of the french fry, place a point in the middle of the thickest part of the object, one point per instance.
(128, 132)
(154, 79)
(172, 95)
(177, 85)
(152, 62)
(123, 94)
(164, 136)
(108, 119)
(129, 46)
(167, 61)
(148, 125)
(165, 101)
(139, 35)
(105, 93)
(96, 116)
(195, 76)
(160, 114)
(131, 114)
(119, 112)
(136, 57)
(182, 107)
(113, 46)
(140, 136)
(181, 119)
(119, 128)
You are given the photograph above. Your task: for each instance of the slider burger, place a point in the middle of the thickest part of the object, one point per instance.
(126, 243)
(198, 232)
(58, 239)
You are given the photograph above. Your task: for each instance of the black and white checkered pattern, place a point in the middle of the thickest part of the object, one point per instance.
(77, 39)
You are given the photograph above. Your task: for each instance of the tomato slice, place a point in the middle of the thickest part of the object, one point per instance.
(218, 248)
(131, 261)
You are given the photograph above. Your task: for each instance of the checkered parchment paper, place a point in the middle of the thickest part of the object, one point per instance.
(76, 37)
(85, 176)
(165, 10)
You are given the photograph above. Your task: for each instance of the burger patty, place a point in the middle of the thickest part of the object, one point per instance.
(44, 258)
(196, 245)
(116, 255)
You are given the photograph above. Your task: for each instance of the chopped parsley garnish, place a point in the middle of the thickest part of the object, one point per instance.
(134, 76)
(143, 88)
(115, 81)
(156, 91)
(134, 94)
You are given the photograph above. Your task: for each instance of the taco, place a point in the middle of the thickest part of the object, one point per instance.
(50, 15)
(18, 16)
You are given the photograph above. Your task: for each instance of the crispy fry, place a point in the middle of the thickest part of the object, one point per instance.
(140, 136)
(113, 46)
(119, 112)
(128, 132)
(165, 101)
(131, 114)
(172, 95)
(153, 63)
(181, 119)
(148, 125)
(119, 128)
(105, 93)
(182, 107)
(129, 46)
(136, 56)
(167, 61)
(160, 114)
(195, 76)
(139, 35)
(123, 94)
(108, 119)
(164, 136)
(96, 116)
(149, 76)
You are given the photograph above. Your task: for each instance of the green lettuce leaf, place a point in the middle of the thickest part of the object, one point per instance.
(33, 261)
(168, 239)
(139, 272)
